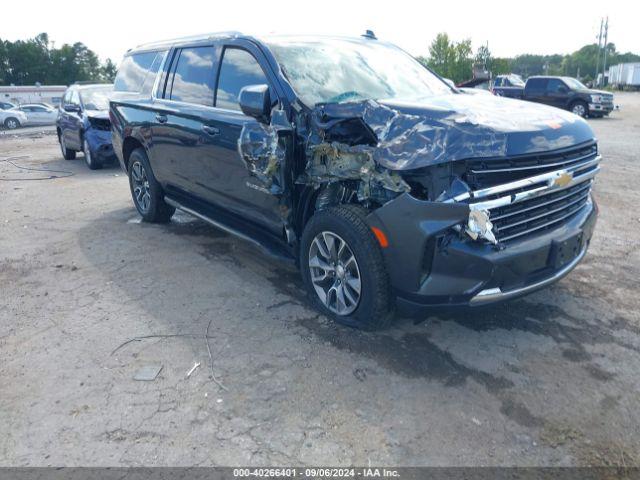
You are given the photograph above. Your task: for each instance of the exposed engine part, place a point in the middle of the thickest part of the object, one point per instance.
(329, 162)
(334, 194)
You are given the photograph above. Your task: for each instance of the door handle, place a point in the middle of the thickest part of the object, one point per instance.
(161, 118)
(210, 130)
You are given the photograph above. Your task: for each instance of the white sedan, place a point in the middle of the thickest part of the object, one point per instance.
(38, 114)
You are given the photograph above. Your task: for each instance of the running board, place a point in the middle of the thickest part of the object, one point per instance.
(273, 251)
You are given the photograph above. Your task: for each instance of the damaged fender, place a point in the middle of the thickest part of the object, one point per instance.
(263, 152)
(409, 224)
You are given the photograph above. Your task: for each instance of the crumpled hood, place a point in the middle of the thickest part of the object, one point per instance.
(455, 127)
(100, 114)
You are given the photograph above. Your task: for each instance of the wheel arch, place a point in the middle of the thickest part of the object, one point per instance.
(128, 146)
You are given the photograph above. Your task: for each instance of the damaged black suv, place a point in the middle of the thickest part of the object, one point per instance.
(390, 189)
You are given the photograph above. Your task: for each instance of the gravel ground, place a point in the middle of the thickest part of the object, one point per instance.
(551, 379)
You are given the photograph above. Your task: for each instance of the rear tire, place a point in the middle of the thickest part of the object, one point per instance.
(373, 307)
(146, 192)
(66, 153)
(92, 162)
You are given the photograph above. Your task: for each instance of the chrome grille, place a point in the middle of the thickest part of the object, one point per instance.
(482, 173)
(539, 214)
(532, 204)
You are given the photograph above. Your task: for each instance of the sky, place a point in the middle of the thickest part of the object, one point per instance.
(111, 27)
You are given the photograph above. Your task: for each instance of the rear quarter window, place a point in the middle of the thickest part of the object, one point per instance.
(138, 71)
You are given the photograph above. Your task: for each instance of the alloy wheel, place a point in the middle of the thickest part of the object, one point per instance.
(140, 185)
(334, 273)
(579, 109)
(12, 124)
(63, 147)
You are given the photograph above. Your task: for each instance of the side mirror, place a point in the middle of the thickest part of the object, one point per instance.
(72, 108)
(563, 89)
(255, 102)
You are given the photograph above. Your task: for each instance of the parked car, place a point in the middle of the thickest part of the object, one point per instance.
(12, 119)
(562, 92)
(388, 188)
(38, 114)
(83, 124)
(507, 83)
(6, 105)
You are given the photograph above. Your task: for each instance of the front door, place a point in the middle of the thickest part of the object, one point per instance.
(557, 93)
(233, 185)
(72, 123)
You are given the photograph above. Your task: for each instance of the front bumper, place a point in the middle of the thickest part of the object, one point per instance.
(432, 266)
(100, 144)
(603, 108)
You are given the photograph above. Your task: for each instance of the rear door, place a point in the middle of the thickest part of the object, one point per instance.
(182, 133)
(535, 90)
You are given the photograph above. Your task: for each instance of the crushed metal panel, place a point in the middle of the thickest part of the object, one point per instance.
(262, 150)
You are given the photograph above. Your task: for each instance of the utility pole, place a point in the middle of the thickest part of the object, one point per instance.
(598, 55)
(606, 39)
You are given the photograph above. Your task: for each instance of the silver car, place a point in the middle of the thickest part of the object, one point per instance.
(13, 118)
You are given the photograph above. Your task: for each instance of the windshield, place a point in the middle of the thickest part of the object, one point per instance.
(343, 70)
(573, 83)
(515, 80)
(96, 98)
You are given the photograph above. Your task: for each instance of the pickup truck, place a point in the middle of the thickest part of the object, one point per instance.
(562, 92)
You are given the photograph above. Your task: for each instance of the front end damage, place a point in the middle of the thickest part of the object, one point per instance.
(480, 203)
(97, 132)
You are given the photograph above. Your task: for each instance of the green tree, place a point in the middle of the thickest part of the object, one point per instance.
(25, 62)
(108, 72)
(450, 59)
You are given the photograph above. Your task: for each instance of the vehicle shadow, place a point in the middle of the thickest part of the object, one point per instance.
(178, 277)
(414, 348)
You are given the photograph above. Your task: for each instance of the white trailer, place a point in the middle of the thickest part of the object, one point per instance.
(624, 75)
(633, 76)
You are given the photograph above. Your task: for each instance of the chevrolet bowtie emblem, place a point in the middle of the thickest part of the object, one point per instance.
(563, 179)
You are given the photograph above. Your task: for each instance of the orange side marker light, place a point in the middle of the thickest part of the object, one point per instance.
(382, 238)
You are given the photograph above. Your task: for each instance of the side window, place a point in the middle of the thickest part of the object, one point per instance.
(136, 73)
(194, 76)
(67, 98)
(239, 69)
(75, 98)
(536, 85)
(555, 86)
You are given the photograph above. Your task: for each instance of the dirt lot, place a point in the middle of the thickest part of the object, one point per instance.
(548, 380)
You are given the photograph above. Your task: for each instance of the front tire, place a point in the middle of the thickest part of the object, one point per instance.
(579, 108)
(146, 192)
(11, 123)
(89, 158)
(66, 153)
(343, 268)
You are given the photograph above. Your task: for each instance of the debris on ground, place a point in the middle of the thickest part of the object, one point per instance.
(148, 373)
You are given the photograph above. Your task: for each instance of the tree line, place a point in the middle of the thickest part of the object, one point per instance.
(26, 62)
(455, 60)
